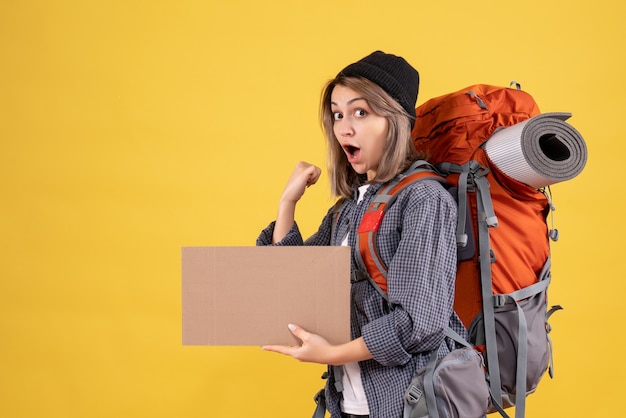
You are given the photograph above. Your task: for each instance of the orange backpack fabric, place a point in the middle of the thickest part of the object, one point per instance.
(451, 128)
(520, 241)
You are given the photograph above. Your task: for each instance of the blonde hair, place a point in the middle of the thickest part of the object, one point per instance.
(399, 151)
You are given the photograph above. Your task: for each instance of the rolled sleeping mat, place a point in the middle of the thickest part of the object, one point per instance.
(539, 151)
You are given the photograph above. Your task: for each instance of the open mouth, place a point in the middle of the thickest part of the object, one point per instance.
(351, 150)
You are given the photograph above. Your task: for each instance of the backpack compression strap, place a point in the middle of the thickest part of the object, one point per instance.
(373, 217)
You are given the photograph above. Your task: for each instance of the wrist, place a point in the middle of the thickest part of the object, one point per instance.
(336, 356)
(355, 350)
(286, 209)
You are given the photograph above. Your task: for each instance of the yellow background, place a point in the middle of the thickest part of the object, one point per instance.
(129, 129)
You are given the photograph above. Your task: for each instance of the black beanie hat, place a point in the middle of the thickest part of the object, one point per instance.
(392, 73)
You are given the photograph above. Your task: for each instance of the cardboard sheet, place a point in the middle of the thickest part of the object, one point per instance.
(248, 295)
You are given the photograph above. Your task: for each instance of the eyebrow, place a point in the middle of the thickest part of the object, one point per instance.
(350, 101)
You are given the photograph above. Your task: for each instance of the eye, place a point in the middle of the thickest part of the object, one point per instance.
(337, 115)
(359, 113)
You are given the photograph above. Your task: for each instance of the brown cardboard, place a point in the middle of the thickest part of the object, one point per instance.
(248, 295)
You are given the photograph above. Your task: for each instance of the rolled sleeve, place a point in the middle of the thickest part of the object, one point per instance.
(386, 347)
(420, 277)
(321, 237)
(292, 238)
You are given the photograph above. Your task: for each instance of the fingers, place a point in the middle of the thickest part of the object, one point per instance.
(313, 348)
(299, 332)
(314, 173)
(292, 351)
(308, 171)
(303, 176)
(281, 349)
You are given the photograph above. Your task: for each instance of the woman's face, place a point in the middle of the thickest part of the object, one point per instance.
(361, 133)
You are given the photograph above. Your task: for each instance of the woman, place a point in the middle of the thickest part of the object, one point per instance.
(367, 113)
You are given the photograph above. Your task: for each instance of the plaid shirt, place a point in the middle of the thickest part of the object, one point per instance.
(417, 242)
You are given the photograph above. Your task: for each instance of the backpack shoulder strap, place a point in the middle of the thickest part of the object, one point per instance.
(335, 211)
(367, 257)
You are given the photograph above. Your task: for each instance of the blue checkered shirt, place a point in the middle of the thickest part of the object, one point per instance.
(416, 240)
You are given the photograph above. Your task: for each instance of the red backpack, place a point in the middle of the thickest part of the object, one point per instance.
(504, 254)
(451, 129)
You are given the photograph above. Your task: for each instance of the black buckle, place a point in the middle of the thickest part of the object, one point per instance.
(358, 276)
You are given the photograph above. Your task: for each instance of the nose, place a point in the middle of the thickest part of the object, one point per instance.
(344, 127)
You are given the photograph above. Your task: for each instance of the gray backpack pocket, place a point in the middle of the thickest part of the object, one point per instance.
(521, 328)
(452, 387)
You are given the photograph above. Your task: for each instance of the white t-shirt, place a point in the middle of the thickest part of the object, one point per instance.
(354, 400)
